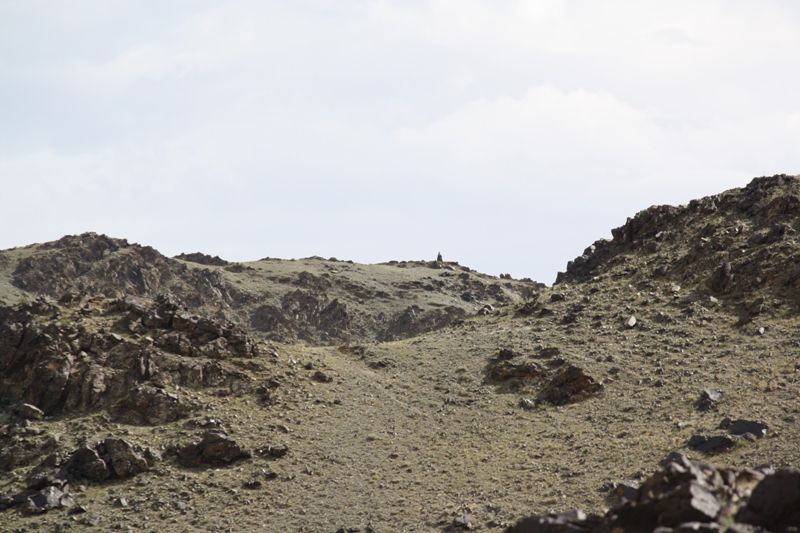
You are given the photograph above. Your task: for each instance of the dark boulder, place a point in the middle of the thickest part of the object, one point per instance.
(711, 445)
(774, 503)
(744, 427)
(216, 448)
(570, 384)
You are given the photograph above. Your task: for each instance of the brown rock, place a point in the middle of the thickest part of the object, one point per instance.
(125, 460)
(722, 278)
(150, 406)
(216, 448)
(571, 384)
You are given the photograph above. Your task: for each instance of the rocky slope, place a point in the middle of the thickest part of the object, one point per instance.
(741, 245)
(311, 300)
(654, 386)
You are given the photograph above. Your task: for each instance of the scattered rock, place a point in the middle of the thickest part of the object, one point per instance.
(504, 354)
(571, 522)
(527, 404)
(114, 458)
(774, 503)
(273, 451)
(121, 502)
(630, 322)
(48, 484)
(46, 499)
(126, 460)
(722, 278)
(623, 491)
(546, 353)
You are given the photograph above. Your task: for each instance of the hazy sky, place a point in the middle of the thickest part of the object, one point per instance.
(509, 135)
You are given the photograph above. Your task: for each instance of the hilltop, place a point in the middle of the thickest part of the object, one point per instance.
(312, 300)
(149, 393)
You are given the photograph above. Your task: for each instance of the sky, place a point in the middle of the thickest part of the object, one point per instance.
(506, 134)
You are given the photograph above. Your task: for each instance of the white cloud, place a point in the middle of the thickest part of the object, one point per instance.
(544, 135)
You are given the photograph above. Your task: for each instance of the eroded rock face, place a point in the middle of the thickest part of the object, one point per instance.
(107, 350)
(305, 314)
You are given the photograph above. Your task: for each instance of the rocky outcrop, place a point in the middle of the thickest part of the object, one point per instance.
(108, 350)
(48, 485)
(566, 384)
(570, 384)
(414, 321)
(734, 244)
(93, 263)
(692, 496)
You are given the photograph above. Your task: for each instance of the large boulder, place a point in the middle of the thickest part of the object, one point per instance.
(215, 448)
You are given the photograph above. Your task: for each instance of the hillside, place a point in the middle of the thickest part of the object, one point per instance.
(164, 402)
(311, 300)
